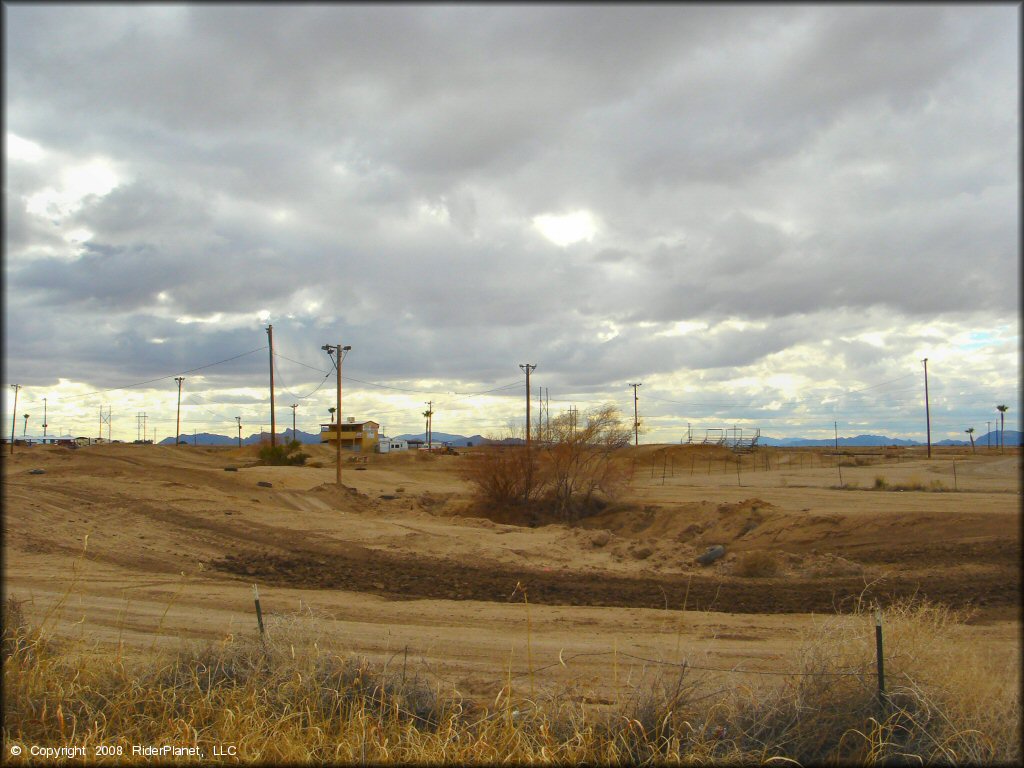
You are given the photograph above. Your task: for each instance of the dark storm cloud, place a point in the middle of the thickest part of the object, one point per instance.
(375, 171)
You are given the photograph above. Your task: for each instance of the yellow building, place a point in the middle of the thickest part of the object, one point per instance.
(359, 436)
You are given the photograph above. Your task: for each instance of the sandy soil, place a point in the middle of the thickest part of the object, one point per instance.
(149, 546)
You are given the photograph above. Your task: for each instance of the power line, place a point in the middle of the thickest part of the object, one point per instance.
(162, 378)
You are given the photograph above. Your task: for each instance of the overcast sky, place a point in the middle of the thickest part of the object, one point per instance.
(767, 215)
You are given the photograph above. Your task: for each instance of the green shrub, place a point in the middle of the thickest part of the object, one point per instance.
(282, 455)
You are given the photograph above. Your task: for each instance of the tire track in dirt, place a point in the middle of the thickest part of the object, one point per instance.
(401, 578)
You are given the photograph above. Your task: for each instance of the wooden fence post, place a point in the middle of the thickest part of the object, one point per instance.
(259, 611)
(880, 662)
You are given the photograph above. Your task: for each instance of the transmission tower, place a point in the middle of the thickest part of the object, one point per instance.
(105, 419)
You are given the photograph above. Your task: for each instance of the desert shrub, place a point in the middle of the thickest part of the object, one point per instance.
(756, 564)
(914, 484)
(580, 466)
(574, 474)
(502, 476)
(282, 455)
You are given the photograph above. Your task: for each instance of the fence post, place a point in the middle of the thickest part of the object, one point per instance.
(880, 662)
(259, 612)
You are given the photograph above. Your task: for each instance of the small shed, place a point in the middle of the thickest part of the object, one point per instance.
(391, 444)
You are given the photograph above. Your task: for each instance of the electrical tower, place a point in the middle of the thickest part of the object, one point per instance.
(105, 419)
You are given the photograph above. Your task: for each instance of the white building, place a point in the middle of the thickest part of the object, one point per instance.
(389, 444)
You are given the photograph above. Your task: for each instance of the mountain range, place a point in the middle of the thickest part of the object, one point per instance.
(1011, 436)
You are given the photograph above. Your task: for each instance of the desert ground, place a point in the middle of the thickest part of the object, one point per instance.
(143, 547)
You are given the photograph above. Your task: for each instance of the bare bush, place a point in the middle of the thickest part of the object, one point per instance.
(579, 466)
(757, 564)
(502, 476)
(575, 473)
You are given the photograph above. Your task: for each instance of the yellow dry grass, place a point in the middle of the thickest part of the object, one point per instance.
(294, 697)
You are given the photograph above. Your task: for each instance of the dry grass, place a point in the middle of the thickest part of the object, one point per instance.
(944, 705)
(914, 484)
(757, 564)
(294, 698)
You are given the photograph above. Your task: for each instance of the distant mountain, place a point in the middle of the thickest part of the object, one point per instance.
(1013, 437)
(1010, 437)
(206, 438)
(859, 440)
(440, 438)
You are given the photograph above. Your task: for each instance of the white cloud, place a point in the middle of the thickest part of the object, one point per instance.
(77, 182)
(17, 148)
(788, 213)
(566, 229)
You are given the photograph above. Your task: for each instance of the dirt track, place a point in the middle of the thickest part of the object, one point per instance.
(154, 543)
(412, 578)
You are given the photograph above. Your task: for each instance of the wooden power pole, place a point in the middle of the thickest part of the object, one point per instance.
(177, 429)
(14, 414)
(528, 368)
(927, 412)
(273, 424)
(636, 420)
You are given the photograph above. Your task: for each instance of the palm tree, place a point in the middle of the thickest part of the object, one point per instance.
(1002, 424)
(970, 434)
(331, 411)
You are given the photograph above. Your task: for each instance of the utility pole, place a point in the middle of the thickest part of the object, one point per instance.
(527, 367)
(988, 434)
(44, 417)
(835, 425)
(547, 410)
(177, 429)
(540, 413)
(927, 411)
(636, 420)
(293, 407)
(273, 424)
(331, 350)
(239, 420)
